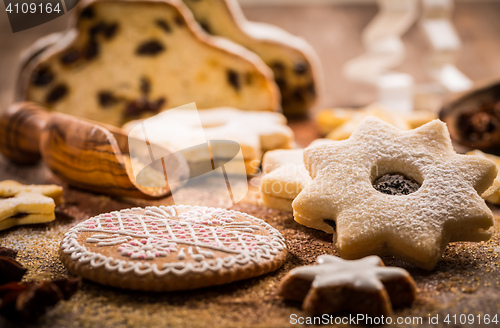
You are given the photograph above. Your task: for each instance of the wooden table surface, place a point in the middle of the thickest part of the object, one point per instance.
(467, 280)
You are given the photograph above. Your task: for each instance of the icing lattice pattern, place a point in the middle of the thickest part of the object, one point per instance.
(193, 237)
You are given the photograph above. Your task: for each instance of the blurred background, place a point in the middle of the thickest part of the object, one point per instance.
(333, 28)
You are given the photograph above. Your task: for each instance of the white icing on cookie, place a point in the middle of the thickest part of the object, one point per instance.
(107, 240)
(181, 255)
(365, 273)
(195, 233)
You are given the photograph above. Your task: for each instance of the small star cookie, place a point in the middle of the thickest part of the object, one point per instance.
(388, 192)
(284, 176)
(361, 286)
(27, 204)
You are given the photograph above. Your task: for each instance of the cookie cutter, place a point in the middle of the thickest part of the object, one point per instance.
(445, 43)
(386, 51)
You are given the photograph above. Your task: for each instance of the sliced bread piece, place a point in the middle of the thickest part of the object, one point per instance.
(130, 59)
(293, 60)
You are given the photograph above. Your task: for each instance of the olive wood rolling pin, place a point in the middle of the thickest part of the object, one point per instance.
(85, 154)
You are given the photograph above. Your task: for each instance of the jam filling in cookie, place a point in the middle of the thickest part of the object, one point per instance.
(395, 184)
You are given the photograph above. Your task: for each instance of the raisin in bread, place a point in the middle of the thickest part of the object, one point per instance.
(294, 62)
(130, 59)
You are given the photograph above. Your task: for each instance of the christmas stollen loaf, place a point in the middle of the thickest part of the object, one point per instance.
(130, 59)
(294, 62)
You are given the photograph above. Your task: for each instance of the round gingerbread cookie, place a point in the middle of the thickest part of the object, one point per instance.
(170, 248)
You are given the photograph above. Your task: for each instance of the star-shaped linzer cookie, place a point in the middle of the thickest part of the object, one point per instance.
(27, 204)
(363, 286)
(388, 192)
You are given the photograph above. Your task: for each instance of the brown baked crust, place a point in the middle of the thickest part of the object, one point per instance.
(334, 285)
(149, 282)
(347, 299)
(402, 291)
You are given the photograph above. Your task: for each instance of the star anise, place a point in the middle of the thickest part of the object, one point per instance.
(480, 126)
(4, 251)
(10, 270)
(28, 301)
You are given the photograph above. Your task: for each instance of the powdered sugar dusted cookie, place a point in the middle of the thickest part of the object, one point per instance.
(388, 192)
(27, 204)
(363, 286)
(284, 176)
(172, 248)
(294, 62)
(125, 60)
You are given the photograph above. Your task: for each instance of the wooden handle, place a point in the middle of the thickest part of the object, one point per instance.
(88, 156)
(81, 152)
(20, 130)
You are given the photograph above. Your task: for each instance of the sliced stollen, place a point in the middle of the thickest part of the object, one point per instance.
(130, 59)
(32, 54)
(295, 65)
